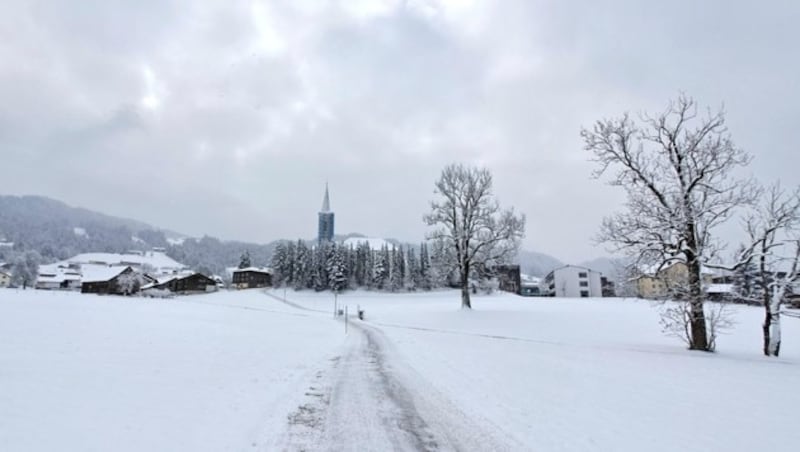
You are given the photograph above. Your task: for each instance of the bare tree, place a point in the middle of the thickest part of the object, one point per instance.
(676, 170)
(470, 223)
(774, 254)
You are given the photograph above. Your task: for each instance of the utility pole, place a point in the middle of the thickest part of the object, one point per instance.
(335, 301)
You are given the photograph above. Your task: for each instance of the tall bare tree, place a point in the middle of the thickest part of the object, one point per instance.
(470, 222)
(676, 169)
(774, 254)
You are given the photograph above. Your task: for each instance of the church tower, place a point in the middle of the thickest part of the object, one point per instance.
(325, 232)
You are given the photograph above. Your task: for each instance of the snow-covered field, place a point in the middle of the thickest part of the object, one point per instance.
(205, 373)
(245, 371)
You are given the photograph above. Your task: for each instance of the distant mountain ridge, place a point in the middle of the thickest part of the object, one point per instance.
(58, 231)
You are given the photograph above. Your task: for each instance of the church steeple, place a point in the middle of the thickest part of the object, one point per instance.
(326, 201)
(325, 231)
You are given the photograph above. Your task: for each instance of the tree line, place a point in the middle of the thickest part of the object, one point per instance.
(338, 267)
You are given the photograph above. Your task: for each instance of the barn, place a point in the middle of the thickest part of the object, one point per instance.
(115, 280)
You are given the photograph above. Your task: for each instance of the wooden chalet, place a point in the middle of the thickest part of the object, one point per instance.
(508, 277)
(114, 280)
(184, 284)
(252, 277)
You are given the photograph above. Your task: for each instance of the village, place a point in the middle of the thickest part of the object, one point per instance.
(152, 273)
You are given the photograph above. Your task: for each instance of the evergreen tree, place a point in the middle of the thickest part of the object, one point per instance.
(337, 269)
(411, 281)
(244, 261)
(357, 277)
(424, 267)
(352, 260)
(369, 267)
(320, 266)
(302, 267)
(279, 265)
(288, 268)
(397, 271)
(380, 269)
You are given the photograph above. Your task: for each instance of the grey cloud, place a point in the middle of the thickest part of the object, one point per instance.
(158, 110)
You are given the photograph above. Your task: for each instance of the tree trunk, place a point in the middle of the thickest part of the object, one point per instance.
(775, 334)
(772, 324)
(465, 302)
(767, 319)
(699, 339)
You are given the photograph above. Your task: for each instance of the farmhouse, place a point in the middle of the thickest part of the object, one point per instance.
(508, 278)
(251, 277)
(116, 280)
(59, 280)
(185, 283)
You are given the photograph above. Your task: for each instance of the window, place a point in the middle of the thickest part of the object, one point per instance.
(582, 275)
(584, 293)
(584, 283)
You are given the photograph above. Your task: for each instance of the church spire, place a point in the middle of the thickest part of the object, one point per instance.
(326, 201)
(325, 233)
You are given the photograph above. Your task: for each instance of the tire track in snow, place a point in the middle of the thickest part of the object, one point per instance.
(367, 399)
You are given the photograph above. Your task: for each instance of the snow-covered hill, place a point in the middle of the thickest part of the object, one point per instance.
(536, 264)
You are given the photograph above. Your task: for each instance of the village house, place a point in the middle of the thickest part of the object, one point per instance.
(114, 280)
(184, 283)
(252, 277)
(5, 278)
(508, 277)
(61, 278)
(661, 283)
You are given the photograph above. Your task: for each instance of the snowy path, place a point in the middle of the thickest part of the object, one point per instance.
(368, 399)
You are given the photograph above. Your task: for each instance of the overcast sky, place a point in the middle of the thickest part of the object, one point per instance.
(227, 118)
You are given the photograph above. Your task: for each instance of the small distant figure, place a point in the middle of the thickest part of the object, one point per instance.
(360, 314)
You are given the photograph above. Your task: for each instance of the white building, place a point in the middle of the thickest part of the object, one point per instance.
(5, 278)
(571, 281)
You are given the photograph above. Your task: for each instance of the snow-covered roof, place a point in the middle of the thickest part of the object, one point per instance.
(97, 273)
(375, 244)
(167, 277)
(651, 270)
(574, 266)
(55, 273)
(253, 269)
(530, 279)
(156, 259)
(58, 278)
(174, 242)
